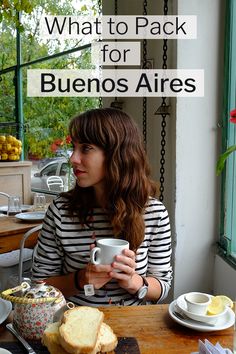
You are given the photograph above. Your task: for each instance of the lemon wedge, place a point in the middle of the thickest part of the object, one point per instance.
(216, 306)
(226, 300)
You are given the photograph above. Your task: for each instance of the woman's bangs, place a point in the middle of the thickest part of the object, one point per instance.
(84, 131)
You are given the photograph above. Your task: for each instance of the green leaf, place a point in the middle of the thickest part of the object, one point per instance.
(223, 158)
(84, 8)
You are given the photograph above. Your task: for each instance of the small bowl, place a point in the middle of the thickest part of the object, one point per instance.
(211, 319)
(197, 302)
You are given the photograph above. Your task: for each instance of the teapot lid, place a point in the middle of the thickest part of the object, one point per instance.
(39, 289)
(39, 292)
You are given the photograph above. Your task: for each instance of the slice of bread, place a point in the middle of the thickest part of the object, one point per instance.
(79, 330)
(107, 340)
(51, 339)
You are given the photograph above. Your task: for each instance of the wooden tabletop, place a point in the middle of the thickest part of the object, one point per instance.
(11, 232)
(154, 330)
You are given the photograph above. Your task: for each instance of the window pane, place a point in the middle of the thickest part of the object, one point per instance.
(34, 46)
(51, 170)
(64, 169)
(7, 103)
(7, 45)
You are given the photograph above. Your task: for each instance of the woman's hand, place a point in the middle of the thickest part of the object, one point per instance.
(126, 265)
(98, 275)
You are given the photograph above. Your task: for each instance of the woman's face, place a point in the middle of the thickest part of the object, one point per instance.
(88, 163)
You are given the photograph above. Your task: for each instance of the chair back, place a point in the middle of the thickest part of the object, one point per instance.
(55, 183)
(5, 194)
(22, 245)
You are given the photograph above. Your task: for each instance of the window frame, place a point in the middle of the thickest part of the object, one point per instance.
(227, 242)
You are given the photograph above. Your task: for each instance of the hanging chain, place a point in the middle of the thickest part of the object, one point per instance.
(116, 8)
(116, 13)
(165, 7)
(144, 67)
(116, 103)
(99, 7)
(163, 122)
(100, 102)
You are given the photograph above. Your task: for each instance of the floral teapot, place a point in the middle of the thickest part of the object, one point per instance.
(35, 306)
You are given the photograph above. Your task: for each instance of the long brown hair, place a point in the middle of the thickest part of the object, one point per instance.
(127, 173)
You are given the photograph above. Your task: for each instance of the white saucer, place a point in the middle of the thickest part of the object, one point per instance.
(4, 351)
(224, 322)
(5, 309)
(182, 304)
(31, 216)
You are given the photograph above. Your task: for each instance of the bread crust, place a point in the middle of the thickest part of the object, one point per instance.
(79, 330)
(51, 339)
(108, 341)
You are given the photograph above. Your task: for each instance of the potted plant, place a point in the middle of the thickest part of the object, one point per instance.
(223, 157)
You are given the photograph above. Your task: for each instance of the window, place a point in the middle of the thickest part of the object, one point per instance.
(50, 170)
(64, 169)
(40, 122)
(228, 213)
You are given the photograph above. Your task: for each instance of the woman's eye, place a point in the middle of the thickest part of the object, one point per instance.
(86, 148)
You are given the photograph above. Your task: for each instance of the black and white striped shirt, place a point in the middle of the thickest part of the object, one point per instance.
(64, 247)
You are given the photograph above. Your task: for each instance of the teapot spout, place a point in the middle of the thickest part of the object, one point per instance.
(60, 312)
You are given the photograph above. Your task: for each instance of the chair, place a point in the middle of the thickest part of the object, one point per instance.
(55, 183)
(22, 245)
(5, 194)
(9, 267)
(17, 264)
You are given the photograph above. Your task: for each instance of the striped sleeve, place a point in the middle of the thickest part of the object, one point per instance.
(158, 243)
(49, 255)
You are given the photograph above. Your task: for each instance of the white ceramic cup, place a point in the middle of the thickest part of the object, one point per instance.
(107, 249)
(39, 202)
(14, 205)
(197, 302)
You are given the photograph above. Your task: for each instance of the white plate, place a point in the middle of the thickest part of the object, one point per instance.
(225, 322)
(4, 351)
(182, 304)
(24, 207)
(5, 309)
(32, 216)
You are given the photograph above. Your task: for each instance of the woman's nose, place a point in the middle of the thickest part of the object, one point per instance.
(75, 157)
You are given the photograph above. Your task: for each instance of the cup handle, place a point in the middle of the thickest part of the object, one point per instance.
(95, 256)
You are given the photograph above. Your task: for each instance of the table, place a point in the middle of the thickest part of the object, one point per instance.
(12, 231)
(154, 330)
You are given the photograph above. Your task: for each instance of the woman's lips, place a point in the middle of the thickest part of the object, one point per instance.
(78, 172)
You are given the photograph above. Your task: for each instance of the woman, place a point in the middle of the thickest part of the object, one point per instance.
(113, 197)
